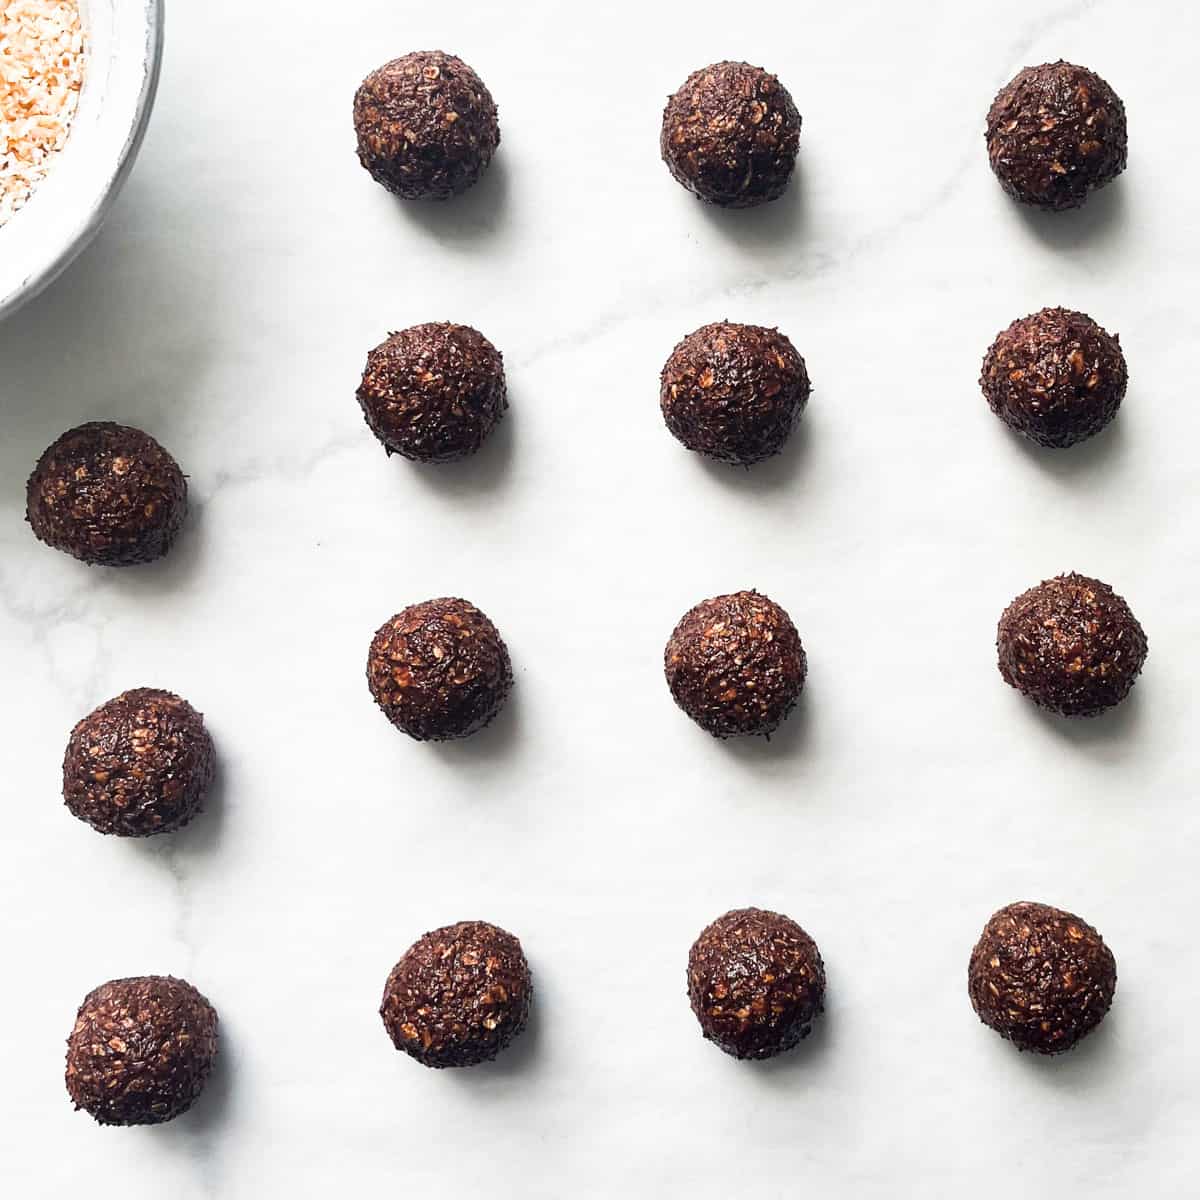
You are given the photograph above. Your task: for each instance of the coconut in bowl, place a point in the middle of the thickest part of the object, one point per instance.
(77, 83)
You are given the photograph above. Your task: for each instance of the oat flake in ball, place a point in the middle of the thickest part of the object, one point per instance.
(1071, 645)
(756, 983)
(1055, 377)
(434, 392)
(108, 495)
(735, 665)
(734, 392)
(1054, 134)
(1041, 978)
(140, 764)
(439, 670)
(458, 996)
(141, 1050)
(730, 135)
(426, 125)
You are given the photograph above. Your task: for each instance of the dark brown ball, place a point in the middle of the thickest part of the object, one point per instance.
(1040, 977)
(1056, 377)
(433, 392)
(1071, 645)
(439, 670)
(107, 494)
(756, 983)
(141, 1050)
(426, 125)
(1054, 133)
(730, 135)
(734, 392)
(458, 996)
(140, 764)
(735, 665)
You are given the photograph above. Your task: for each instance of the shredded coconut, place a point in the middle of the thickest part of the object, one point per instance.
(41, 73)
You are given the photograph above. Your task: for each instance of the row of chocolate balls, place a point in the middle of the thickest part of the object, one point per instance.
(110, 494)
(142, 1049)
(427, 128)
(142, 763)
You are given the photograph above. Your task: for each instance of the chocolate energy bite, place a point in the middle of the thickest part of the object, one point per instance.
(1055, 377)
(107, 494)
(735, 665)
(756, 983)
(1042, 978)
(433, 393)
(1072, 645)
(439, 670)
(141, 1050)
(426, 125)
(1054, 134)
(458, 996)
(734, 392)
(140, 764)
(730, 135)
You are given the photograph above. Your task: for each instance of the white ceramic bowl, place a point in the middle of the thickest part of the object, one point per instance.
(124, 51)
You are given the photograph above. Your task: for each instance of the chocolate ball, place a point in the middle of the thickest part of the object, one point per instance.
(730, 135)
(1071, 645)
(439, 670)
(141, 1050)
(735, 665)
(426, 125)
(107, 494)
(734, 392)
(1040, 977)
(756, 983)
(1056, 377)
(1054, 133)
(458, 996)
(140, 764)
(432, 393)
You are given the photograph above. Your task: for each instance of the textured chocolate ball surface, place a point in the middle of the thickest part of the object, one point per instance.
(439, 670)
(140, 764)
(1040, 977)
(426, 125)
(434, 392)
(141, 1050)
(730, 135)
(1072, 645)
(756, 983)
(1055, 377)
(735, 665)
(458, 996)
(1055, 133)
(734, 392)
(107, 494)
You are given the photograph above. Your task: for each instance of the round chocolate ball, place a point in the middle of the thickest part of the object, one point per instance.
(458, 996)
(141, 1050)
(756, 983)
(107, 494)
(735, 665)
(1054, 133)
(734, 392)
(432, 393)
(1055, 377)
(1071, 645)
(1040, 977)
(140, 764)
(439, 670)
(730, 135)
(426, 125)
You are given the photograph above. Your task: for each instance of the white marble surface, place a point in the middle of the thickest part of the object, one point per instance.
(227, 309)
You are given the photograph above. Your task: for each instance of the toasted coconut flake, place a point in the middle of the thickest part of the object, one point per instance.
(41, 74)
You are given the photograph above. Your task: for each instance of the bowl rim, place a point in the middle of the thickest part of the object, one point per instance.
(68, 232)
